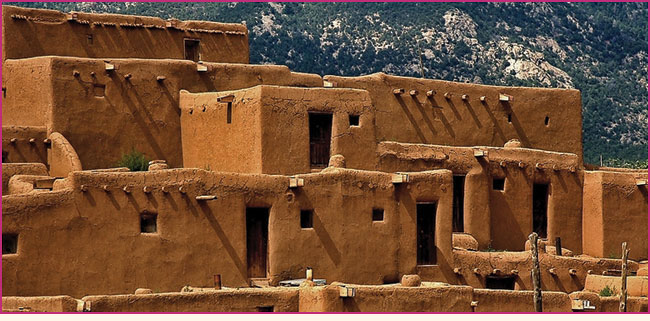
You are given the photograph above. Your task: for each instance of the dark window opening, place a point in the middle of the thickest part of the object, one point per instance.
(426, 233)
(229, 113)
(500, 282)
(320, 136)
(4, 92)
(148, 223)
(540, 208)
(546, 120)
(306, 219)
(354, 120)
(192, 49)
(9, 243)
(5, 156)
(377, 214)
(257, 240)
(99, 90)
(90, 39)
(498, 184)
(509, 118)
(459, 204)
(265, 309)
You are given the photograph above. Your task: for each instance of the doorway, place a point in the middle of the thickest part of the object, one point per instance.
(540, 208)
(426, 229)
(257, 238)
(192, 49)
(459, 197)
(320, 137)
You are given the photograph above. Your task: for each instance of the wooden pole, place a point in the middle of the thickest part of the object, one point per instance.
(623, 297)
(537, 284)
(558, 246)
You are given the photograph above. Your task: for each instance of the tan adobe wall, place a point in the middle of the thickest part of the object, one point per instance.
(519, 301)
(105, 114)
(36, 32)
(269, 129)
(11, 169)
(502, 219)
(27, 93)
(24, 144)
(387, 299)
(197, 239)
(519, 265)
(60, 303)
(615, 211)
(225, 300)
(457, 122)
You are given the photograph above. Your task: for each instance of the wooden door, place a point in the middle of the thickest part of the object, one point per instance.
(540, 208)
(426, 237)
(257, 234)
(320, 137)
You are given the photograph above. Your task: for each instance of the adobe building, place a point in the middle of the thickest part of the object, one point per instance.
(389, 193)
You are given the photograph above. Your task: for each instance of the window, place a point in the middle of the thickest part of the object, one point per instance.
(192, 49)
(509, 118)
(9, 243)
(498, 184)
(265, 309)
(99, 90)
(306, 219)
(354, 120)
(500, 282)
(148, 223)
(377, 214)
(229, 113)
(546, 120)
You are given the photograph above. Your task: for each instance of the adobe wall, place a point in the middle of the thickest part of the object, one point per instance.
(519, 301)
(143, 112)
(269, 129)
(27, 93)
(457, 122)
(23, 144)
(197, 239)
(60, 303)
(11, 169)
(393, 298)
(225, 300)
(615, 211)
(555, 271)
(36, 32)
(502, 219)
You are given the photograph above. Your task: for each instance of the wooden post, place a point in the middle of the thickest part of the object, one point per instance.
(558, 246)
(623, 297)
(537, 284)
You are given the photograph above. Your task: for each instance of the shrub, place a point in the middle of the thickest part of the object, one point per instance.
(134, 160)
(607, 291)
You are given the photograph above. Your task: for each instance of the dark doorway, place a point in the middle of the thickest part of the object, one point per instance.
(320, 136)
(9, 243)
(540, 208)
(257, 237)
(426, 225)
(192, 49)
(459, 198)
(500, 282)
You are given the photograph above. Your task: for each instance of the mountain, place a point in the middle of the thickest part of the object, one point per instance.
(598, 48)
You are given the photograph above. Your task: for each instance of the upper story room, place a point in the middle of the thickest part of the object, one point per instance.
(35, 32)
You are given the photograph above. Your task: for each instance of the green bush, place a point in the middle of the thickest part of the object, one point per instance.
(607, 291)
(134, 160)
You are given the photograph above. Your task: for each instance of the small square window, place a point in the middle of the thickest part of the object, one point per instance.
(354, 120)
(148, 223)
(377, 214)
(306, 219)
(9, 243)
(498, 184)
(99, 90)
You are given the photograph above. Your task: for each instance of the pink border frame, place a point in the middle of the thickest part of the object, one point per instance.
(336, 312)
